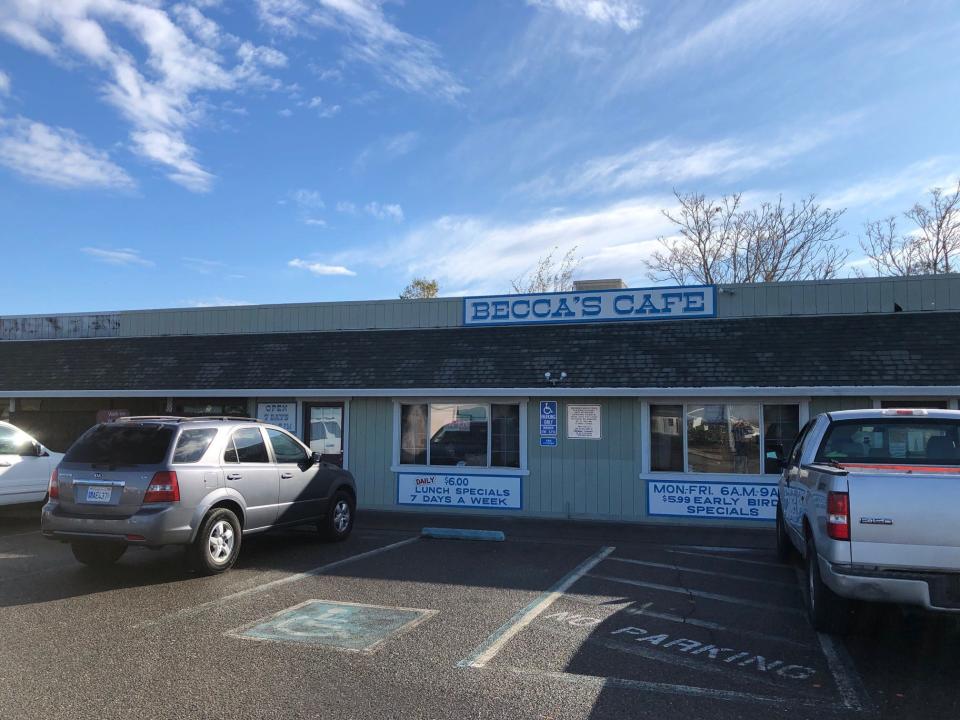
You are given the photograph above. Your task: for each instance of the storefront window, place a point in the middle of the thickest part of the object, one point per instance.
(722, 438)
(666, 438)
(460, 434)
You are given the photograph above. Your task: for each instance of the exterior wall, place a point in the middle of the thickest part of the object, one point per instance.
(828, 297)
(829, 404)
(371, 451)
(587, 478)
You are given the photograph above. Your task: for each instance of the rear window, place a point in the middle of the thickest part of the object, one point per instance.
(192, 444)
(895, 441)
(120, 444)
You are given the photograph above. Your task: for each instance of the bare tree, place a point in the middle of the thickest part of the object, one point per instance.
(930, 249)
(420, 288)
(722, 242)
(548, 275)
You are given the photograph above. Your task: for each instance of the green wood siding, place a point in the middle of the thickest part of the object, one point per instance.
(371, 450)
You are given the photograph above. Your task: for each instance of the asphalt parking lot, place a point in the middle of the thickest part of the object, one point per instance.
(587, 622)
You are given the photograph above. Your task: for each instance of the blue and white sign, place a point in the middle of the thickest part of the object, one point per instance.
(281, 414)
(548, 442)
(460, 490)
(597, 306)
(712, 500)
(548, 418)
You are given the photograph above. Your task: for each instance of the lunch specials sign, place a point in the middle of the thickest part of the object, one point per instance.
(598, 306)
(460, 490)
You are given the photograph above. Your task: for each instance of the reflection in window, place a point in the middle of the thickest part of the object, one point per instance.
(505, 436)
(723, 439)
(285, 448)
(781, 425)
(458, 435)
(666, 438)
(413, 434)
(192, 444)
(247, 446)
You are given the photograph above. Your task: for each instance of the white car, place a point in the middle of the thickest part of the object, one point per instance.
(25, 467)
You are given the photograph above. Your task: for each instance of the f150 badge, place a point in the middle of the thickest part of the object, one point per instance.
(875, 521)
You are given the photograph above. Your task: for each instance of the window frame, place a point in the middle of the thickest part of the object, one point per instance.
(488, 469)
(686, 403)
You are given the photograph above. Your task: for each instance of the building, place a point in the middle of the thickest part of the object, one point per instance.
(664, 404)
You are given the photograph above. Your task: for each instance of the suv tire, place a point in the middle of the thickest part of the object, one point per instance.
(828, 612)
(217, 544)
(338, 522)
(785, 550)
(97, 554)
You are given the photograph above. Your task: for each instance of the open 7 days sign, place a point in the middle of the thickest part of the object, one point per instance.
(597, 306)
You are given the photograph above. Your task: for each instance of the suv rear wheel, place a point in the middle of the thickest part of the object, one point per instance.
(97, 554)
(217, 544)
(338, 522)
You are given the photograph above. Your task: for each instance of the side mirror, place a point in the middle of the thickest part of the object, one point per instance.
(32, 449)
(314, 458)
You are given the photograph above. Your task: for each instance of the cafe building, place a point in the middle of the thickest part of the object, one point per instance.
(605, 402)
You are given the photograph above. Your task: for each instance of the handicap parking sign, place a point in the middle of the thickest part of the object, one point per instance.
(548, 421)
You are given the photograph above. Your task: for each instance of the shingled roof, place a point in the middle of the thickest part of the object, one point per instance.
(914, 349)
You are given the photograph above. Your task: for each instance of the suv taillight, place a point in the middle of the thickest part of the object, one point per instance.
(53, 489)
(163, 488)
(838, 515)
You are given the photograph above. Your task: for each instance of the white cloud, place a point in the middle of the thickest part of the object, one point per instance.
(57, 156)
(323, 109)
(669, 161)
(119, 256)
(479, 255)
(909, 183)
(383, 211)
(319, 268)
(216, 301)
(203, 266)
(319, 222)
(624, 14)
(309, 199)
(405, 61)
(4, 83)
(157, 84)
(387, 148)
(346, 207)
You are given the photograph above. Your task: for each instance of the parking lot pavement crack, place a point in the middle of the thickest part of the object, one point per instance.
(691, 598)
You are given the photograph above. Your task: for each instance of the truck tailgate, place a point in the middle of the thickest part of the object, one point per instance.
(905, 519)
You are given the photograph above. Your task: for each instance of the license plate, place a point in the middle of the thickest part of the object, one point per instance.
(98, 494)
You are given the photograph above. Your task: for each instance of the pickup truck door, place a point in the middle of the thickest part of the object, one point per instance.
(793, 495)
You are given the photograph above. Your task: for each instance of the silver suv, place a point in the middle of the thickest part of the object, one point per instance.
(198, 482)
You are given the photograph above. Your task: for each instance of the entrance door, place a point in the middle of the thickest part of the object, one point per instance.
(323, 430)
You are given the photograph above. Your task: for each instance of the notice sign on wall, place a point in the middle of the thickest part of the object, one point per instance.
(716, 500)
(583, 422)
(457, 490)
(281, 414)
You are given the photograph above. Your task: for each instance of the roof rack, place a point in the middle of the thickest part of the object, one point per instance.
(180, 419)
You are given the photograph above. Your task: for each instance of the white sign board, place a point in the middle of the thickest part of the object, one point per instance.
(712, 499)
(460, 490)
(577, 306)
(281, 414)
(583, 422)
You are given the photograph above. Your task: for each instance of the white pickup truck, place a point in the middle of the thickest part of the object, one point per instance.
(871, 500)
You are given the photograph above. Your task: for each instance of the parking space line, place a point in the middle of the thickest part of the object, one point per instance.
(841, 665)
(601, 683)
(645, 611)
(486, 652)
(715, 556)
(193, 610)
(696, 593)
(23, 534)
(696, 571)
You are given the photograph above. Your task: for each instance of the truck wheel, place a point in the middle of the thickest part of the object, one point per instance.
(828, 612)
(785, 550)
(217, 545)
(97, 554)
(338, 522)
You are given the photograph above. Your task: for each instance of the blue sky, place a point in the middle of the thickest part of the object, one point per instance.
(204, 152)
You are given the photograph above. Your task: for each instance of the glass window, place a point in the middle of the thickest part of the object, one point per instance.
(505, 436)
(781, 424)
(458, 435)
(12, 442)
(285, 448)
(895, 441)
(666, 438)
(247, 447)
(122, 444)
(413, 434)
(723, 439)
(192, 444)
